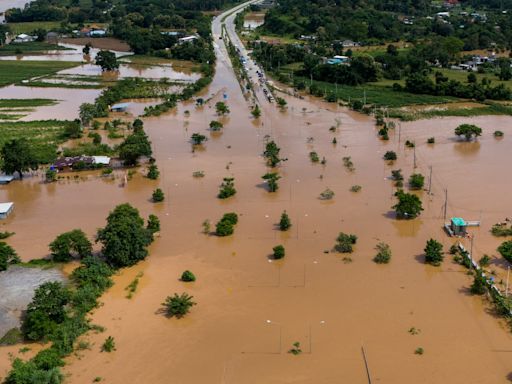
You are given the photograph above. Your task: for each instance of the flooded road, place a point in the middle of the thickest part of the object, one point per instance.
(251, 310)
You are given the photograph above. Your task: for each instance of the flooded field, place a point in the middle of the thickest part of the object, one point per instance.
(251, 309)
(253, 20)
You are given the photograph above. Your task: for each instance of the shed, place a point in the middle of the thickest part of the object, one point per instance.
(187, 39)
(458, 226)
(120, 107)
(6, 209)
(6, 179)
(103, 160)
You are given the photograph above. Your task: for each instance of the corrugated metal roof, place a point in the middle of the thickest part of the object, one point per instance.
(458, 221)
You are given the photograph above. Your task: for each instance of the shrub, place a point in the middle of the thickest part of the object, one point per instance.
(484, 261)
(383, 253)
(256, 111)
(279, 252)
(197, 139)
(345, 242)
(225, 226)
(313, 156)
(227, 188)
(272, 179)
(295, 350)
(70, 244)
(48, 359)
(158, 195)
(498, 134)
(479, 286)
(153, 172)
(433, 252)
(285, 222)
(409, 144)
(355, 188)
(408, 207)
(271, 153)
(198, 174)
(431, 140)
(50, 175)
(216, 125)
(8, 256)
(390, 156)
(108, 345)
(178, 305)
(468, 131)
(327, 194)
(188, 276)
(153, 225)
(347, 163)
(416, 181)
(505, 249)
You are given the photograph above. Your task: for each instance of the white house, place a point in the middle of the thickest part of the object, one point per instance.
(187, 39)
(24, 38)
(103, 160)
(98, 33)
(6, 209)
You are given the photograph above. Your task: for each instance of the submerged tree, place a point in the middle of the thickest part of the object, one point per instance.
(345, 243)
(178, 305)
(227, 188)
(18, 156)
(69, 244)
(468, 131)
(107, 60)
(434, 252)
(197, 139)
(7, 256)
(124, 238)
(408, 207)
(416, 181)
(221, 108)
(256, 111)
(272, 179)
(271, 153)
(285, 222)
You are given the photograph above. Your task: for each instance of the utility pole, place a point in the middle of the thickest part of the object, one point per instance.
(508, 275)
(364, 97)
(445, 202)
(430, 181)
(399, 131)
(414, 154)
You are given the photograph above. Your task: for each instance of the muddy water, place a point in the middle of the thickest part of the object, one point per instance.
(250, 310)
(254, 20)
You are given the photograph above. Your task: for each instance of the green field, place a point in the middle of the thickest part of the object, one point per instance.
(13, 71)
(25, 103)
(18, 28)
(44, 136)
(29, 47)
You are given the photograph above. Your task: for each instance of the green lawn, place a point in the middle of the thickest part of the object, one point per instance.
(29, 47)
(44, 136)
(18, 28)
(25, 103)
(13, 71)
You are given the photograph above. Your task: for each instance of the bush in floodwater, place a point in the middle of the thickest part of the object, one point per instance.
(431, 140)
(479, 286)
(327, 194)
(153, 225)
(50, 175)
(484, 261)
(197, 139)
(70, 244)
(108, 345)
(295, 350)
(158, 195)
(390, 156)
(408, 206)
(285, 222)
(225, 226)
(416, 181)
(419, 351)
(198, 174)
(355, 188)
(433, 252)
(216, 126)
(178, 305)
(188, 276)
(347, 163)
(383, 255)
(345, 242)
(505, 249)
(498, 134)
(227, 188)
(313, 156)
(153, 172)
(279, 252)
(409, 144)
(271, 179)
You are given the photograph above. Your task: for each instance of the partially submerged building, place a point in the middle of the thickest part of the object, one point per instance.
(6, 209)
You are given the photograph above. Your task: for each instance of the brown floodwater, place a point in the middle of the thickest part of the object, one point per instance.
(250, 310)
(253, 20)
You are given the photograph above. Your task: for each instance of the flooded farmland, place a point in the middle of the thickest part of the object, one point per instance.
(251, 309)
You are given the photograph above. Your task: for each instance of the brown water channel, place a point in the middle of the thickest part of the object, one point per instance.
(251, 310)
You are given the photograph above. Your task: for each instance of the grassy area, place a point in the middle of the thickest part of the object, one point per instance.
(13, 71)
(379, 95)
(483, 110)
(30, 47)
(463, 76)
(159, 61)
(44, 135)
(25, 103)
(18, 28)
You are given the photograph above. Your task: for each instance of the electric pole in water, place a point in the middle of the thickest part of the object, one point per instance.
(430, 181)
(445, 202)
(414, 143)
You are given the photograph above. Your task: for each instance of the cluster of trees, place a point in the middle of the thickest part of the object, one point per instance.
(372, 21)
(421, 83)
